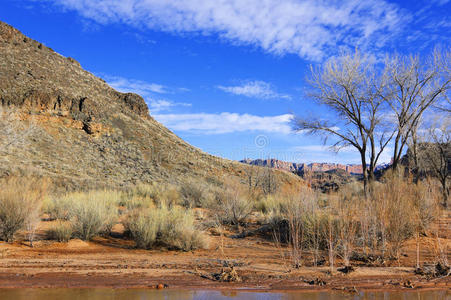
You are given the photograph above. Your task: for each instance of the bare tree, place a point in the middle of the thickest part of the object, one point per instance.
(414, 86)
(350, 86)
(434, 156)
(261, 179)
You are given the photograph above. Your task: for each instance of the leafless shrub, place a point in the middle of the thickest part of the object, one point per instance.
(315, 223)
(32, 221)
(329, 232)
(433, 155)
(394, 205)
(233, 204)
(289, 218)
(192, 194)
(347, 207)
(20, 204)
(262, 181)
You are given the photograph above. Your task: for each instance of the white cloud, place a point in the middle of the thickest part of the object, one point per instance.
(309, 28)
(147, 91)
(349, 154)
(158, 105)
(254, 89)
(225, 123)
(134, 86)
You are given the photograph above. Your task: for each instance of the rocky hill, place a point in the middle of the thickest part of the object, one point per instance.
(302, 167)
(81, 133)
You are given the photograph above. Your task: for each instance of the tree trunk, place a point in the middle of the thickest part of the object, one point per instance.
(445, 192)
(364, 171)
(395, 153)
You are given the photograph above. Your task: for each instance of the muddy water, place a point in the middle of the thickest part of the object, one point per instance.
(138, 294)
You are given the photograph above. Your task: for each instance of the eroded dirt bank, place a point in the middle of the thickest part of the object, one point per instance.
(110, 262)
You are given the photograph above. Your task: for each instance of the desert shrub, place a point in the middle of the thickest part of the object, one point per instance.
(143, 226)
(134, 202)
(61, 231)
(233, 207)
(142, 195)
(347, 207)
(315, 225)
(289, 215)
(20, 204)
(268, 204)
(394, 204)
(192, 194)
(172, 227)
(178, 230)
(92, 213)
(57, 207)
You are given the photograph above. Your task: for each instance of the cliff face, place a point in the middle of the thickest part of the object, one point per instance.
(302, 167)
(84, 134)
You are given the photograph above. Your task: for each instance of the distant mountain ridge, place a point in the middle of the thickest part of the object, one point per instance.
(354, 169)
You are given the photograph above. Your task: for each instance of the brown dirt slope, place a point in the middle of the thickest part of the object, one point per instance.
(86, 134)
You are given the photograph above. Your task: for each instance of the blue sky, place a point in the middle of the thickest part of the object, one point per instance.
(226, 75)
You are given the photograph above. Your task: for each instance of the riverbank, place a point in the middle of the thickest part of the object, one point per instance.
(254, 261)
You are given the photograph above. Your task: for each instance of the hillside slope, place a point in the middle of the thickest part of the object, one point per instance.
(84, 133)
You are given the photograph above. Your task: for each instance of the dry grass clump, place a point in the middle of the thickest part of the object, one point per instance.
(192, 194)
(172, 227)
(401, 208)
(287, 213)
(61, 231)
(142, 195)
(20, 203)
(92, 212)
(82, 214)
(57, 207)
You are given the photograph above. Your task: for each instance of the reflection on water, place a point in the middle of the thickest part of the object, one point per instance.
(140, 294)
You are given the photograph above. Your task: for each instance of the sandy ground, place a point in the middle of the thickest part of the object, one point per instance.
(113, 262)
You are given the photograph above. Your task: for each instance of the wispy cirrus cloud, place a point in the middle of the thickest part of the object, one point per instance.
(308, 28)
(135, 86)
(147, 91)
(254, 89)
(158, 105)
(225, 122)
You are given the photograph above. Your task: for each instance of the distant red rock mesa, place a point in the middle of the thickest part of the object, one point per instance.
(296, 167)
